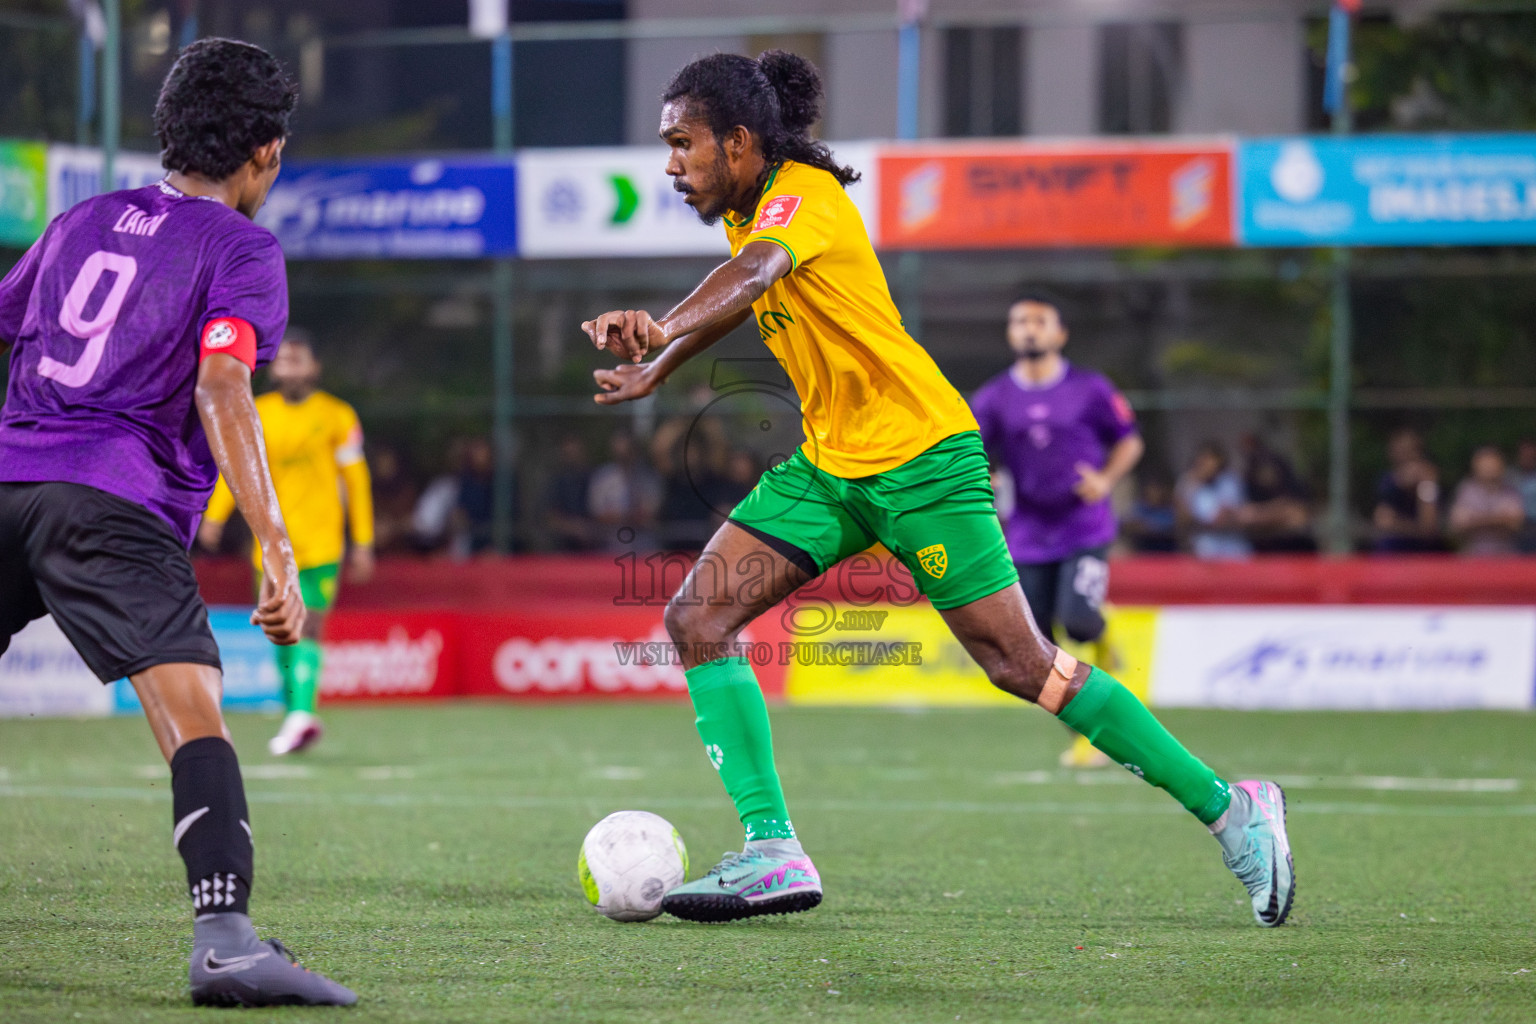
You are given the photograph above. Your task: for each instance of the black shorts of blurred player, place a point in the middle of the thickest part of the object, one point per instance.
(1069, 593)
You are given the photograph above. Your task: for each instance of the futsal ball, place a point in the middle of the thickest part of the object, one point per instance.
(628, 862)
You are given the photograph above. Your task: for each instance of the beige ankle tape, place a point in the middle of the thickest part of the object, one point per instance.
(1054, 694)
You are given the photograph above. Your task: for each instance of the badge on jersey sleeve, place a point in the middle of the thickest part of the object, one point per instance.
(777, 212)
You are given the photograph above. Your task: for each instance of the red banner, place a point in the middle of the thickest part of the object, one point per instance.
(1016, 195)
(390, 654)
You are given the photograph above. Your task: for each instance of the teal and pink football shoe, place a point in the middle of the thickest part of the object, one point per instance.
(768, 877)
(1256, 849)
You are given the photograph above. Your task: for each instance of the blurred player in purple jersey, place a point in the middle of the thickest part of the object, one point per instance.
(1066, 437)
(134, 325)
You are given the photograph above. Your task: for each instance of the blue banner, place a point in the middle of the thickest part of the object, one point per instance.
(452, 208)
(250, 670)
(1388, 190)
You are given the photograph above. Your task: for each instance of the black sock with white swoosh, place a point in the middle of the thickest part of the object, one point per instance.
(213, 832)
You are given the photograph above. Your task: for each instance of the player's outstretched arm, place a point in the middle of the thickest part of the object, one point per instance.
(626, 382)
(729, 290)
(234, 435)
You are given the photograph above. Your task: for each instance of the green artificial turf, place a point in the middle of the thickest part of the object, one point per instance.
(425, 855)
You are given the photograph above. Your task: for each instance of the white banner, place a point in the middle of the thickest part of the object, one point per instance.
(74, 173)
(1345, 658)
(42, 676)
(620, 202)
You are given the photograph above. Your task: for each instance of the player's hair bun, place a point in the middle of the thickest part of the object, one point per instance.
(798, 86)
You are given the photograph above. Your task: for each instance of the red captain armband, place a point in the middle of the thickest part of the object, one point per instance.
(230, 336)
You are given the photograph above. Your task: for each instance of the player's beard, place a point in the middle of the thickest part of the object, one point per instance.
(716, 181)
(1033, 354)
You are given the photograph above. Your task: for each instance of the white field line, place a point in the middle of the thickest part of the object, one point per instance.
(1087, 809)
(1373, 783)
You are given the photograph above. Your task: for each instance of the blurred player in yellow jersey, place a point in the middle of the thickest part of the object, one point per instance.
(315, 450)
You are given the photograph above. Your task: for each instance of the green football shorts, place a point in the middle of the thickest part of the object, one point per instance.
(318, 586)
(935, 513)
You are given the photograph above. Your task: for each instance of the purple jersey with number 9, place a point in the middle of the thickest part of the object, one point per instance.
(105, 314)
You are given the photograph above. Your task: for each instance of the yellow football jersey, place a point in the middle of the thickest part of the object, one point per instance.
(871, 397)
(314, 449)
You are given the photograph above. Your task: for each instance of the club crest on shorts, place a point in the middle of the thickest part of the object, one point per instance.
(934, 559)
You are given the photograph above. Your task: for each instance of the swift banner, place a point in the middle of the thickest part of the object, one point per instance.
(620, 202)
(1025, 196)
(430, 209)
(1389, 190)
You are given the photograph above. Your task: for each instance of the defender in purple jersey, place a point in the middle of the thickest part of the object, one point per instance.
(1066, 437)
(134, 325)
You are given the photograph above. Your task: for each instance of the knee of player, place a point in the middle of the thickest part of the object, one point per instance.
(689, 623)
(1020, 677)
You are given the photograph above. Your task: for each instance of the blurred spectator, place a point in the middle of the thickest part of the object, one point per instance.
(394, 500)
(1277, 516)
(689, 454)
(1407, 512)
(432, 518)
(1523, 476)
(475, 507)
(1487, 514)
(1210, 500)
(1150, 526)
(565, 503)
(624, 497)
(727, 489)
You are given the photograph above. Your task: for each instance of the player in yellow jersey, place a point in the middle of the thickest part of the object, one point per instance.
(892, 454)
(315, 450)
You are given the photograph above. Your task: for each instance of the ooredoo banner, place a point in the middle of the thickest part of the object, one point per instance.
(1019, 195)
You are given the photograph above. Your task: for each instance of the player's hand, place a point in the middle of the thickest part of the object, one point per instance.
(624, 383)
(1092, 486)
(209, 534)
(627, 333)
(362, 563)
(280, 609)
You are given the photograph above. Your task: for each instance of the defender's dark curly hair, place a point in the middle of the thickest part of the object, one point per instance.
(222, 101)
(776, 97)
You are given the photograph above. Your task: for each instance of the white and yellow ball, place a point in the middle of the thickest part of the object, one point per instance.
(628, 862)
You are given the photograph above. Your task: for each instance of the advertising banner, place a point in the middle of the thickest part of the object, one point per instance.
(1022, 195)
(23, 192)
(620, 202)
(41, 676)
(1345, 658)
(452, 208)
(251, 682)
(1389, 190)
(369, 655)
(74, 173)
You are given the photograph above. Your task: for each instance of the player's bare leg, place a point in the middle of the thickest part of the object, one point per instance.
(230, 966)
(738, 578)
(1248, 819)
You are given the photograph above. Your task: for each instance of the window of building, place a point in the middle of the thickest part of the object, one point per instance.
(983, 81)
(1140, 73)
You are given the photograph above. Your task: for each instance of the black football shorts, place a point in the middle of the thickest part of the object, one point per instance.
(113, 575)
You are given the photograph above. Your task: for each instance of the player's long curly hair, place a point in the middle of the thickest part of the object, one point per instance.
(776, 97)
(222, 101)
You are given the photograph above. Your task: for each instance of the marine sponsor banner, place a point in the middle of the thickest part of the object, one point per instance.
(451, 208)
(1025, 195)
(74, 174)
(23, 192)
(1345, 658)
(41, 676)
(1389, 190)
(620, 202)
(904, 655)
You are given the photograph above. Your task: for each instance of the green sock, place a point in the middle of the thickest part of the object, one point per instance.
(299, 667)
(1121, 726)
(733, 723)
